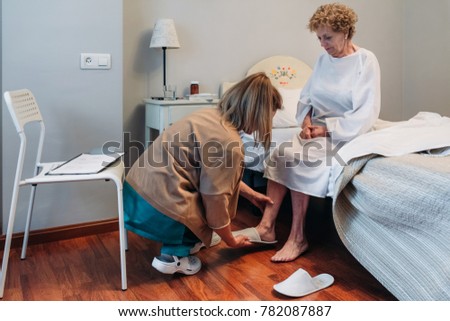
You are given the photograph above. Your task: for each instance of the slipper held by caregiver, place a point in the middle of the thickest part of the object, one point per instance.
(253, 235)
(178, 194)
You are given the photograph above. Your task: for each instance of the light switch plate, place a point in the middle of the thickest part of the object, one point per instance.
(95, 61)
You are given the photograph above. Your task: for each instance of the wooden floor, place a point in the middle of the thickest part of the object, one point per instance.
(88, 268)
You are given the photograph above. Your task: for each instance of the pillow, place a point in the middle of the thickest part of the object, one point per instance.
(285, 117)
(225, 86)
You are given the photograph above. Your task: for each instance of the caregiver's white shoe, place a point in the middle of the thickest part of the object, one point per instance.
(216, 239)
(188, 265)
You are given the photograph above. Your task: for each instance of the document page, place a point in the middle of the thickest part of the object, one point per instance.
(85, 164)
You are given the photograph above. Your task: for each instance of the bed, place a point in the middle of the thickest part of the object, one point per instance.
(391, 201)
(391, 205)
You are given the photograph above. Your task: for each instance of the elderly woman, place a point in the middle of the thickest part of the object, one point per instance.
(186, 185)
(340, 101)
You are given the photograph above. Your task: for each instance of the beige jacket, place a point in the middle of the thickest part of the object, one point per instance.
(192, 172)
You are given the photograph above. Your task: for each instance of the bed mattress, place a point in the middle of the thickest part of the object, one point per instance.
(393, 215)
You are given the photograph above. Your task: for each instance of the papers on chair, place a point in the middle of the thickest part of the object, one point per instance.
(85, 164)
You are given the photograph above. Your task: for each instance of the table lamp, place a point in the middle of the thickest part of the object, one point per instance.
(164, 36)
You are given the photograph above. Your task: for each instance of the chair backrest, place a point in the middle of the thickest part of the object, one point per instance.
(23, 107)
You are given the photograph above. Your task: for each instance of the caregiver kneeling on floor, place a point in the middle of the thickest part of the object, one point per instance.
(183, 191)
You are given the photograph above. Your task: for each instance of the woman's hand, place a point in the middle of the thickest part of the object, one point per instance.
(260, 200)
(318, 131)
(313, 132)
(240, 241)
(305, 133)
(231, 240)
(306, 127)
(254, 197)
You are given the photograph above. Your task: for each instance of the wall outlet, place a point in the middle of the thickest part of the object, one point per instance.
(95, 61)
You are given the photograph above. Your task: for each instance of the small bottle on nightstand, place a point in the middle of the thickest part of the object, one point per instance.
(194, 87)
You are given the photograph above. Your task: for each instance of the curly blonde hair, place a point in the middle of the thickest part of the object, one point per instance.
(337, 16)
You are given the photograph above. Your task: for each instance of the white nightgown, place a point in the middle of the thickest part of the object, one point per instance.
(344, 95)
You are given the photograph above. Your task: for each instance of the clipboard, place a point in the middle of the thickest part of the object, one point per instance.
(85, 163)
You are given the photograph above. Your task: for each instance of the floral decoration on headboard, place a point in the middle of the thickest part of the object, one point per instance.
(281, 73)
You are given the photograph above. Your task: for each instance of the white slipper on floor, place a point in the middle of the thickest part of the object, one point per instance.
(253, 235)
(188, 265)
(215, 240)
(300, 283)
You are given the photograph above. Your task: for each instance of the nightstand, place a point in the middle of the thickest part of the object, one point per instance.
(160, 114)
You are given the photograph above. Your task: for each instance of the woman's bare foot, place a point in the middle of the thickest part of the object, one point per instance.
(290, 251)
(266, 234)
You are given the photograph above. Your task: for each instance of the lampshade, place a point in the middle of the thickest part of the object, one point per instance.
(164, 35)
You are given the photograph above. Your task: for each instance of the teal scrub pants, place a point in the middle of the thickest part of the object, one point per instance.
(143, 219)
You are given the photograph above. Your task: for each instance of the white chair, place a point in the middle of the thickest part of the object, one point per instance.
(24, 109)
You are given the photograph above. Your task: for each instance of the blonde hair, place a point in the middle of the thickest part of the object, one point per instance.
(337, 16)
(250, 105)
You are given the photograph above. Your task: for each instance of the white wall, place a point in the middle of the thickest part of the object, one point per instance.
(1, 140)
(426, 57)
(42, 41)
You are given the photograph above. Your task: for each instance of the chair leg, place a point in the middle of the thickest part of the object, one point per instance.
(26, 234)
(9, 233)
(122, 237)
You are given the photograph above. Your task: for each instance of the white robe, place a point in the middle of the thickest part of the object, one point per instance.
(344, 95)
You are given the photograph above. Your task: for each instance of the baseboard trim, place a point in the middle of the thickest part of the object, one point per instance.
(63, 232)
